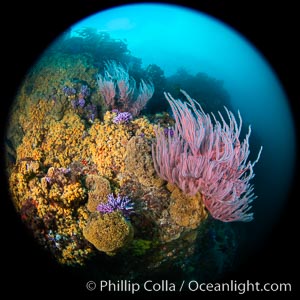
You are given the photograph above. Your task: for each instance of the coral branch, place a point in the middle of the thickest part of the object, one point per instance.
(118, 89)
(207, 156)
(146, 91)
(107, 88)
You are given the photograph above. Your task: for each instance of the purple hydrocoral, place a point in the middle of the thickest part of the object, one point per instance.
(206, 156)
(81, 102)
(68, 91)
(91, 112)
(123, 204)
(85, 91)
(168, 131)
(122, 118)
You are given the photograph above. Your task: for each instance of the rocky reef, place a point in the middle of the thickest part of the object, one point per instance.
(66, 154)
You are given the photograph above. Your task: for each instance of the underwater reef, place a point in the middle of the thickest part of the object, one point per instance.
(95, 179)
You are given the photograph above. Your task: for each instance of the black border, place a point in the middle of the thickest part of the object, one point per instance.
(30, 27)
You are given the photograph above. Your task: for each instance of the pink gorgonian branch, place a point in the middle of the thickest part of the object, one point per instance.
(146, 91)
(118, 89)
(205, 155)
(107, 88)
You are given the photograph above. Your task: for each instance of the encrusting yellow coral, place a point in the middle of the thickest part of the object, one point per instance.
(44, 180)
(62, 143)
(99, 188)
(107, 143)
(187, 211)
(138, 162)
(108, 232)
(66, 163)
(55, 202)
(108, 146)
(143, 128)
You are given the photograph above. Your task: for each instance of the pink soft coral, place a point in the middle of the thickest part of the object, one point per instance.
(207, 157)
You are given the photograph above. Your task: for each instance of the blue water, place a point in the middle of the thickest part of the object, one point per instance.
(174, 37)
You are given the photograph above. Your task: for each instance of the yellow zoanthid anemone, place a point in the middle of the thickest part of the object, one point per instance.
(108, 232)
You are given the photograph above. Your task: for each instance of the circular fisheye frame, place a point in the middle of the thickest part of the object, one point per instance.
(147, 146)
